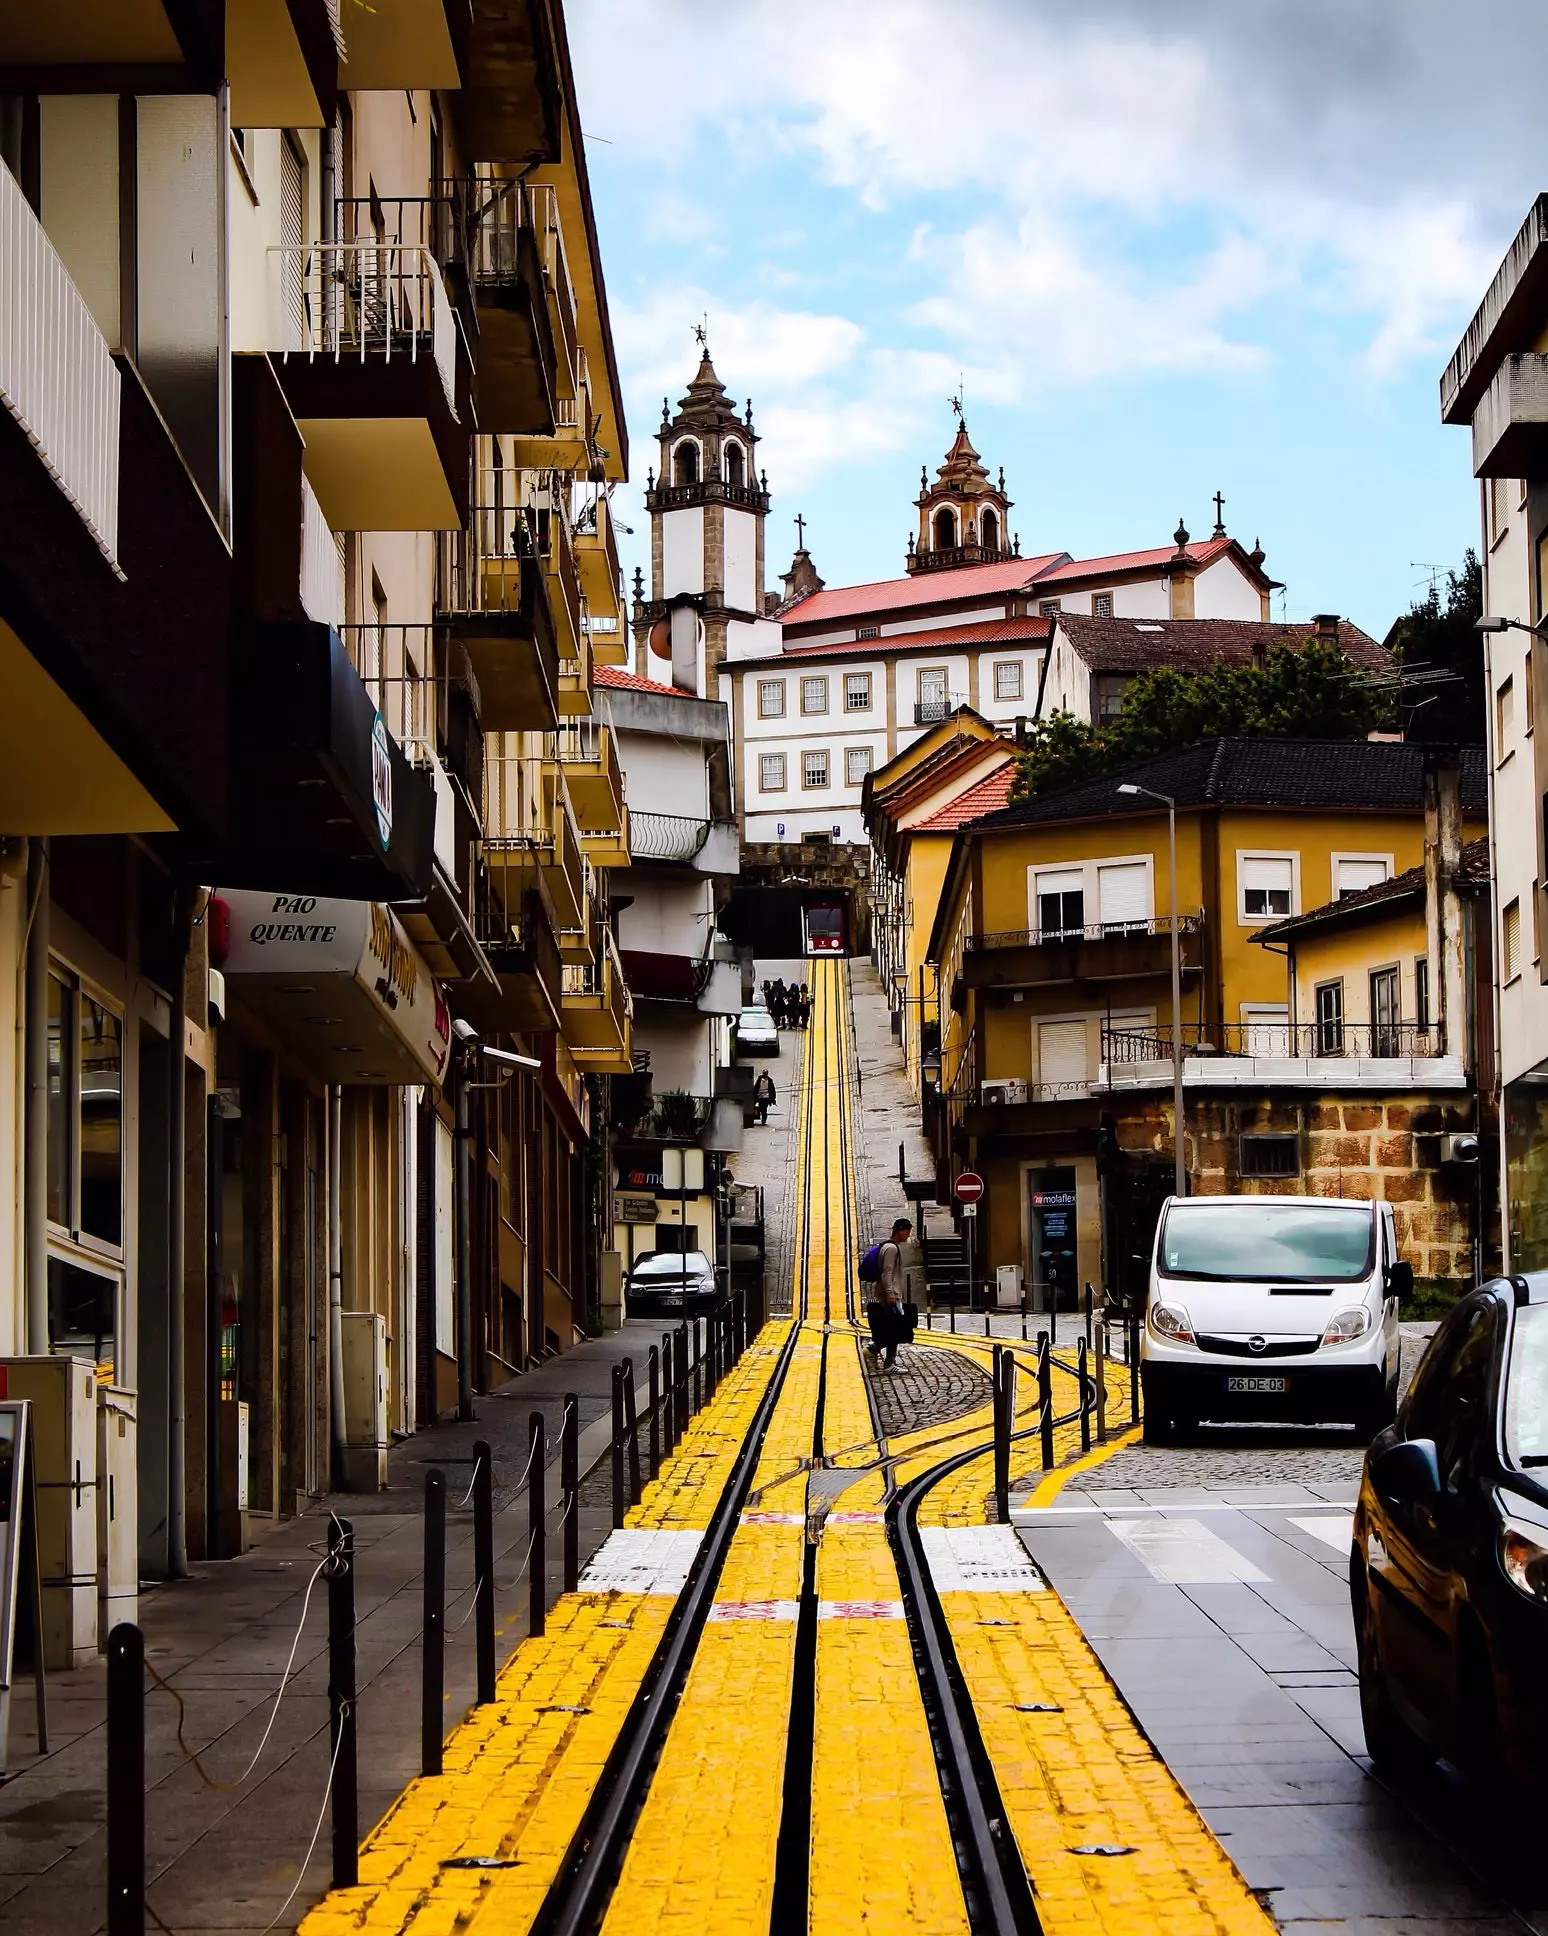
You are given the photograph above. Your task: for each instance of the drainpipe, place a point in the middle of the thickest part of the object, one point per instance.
(336, 1277)
(463, 1136)
(35, 1121)
(177, 1141)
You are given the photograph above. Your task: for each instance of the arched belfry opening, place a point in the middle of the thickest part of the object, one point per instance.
(962, 511)
(945, 529)
(736, 470)
(685, 465)
(989, 533)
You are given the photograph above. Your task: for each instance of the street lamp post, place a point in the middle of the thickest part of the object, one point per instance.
(1179, 1158)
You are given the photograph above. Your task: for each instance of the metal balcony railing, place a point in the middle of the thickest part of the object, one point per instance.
(666, 836)
(322, 562)
(436, 222)
(930, 712)
(57, 377)
(1093, 931)
(368, 301)
(1278, 1040)
(675, 1117)
(542, 207)
(519, 514)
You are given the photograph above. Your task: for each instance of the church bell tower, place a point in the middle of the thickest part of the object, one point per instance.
(707, 505)
(961, 515)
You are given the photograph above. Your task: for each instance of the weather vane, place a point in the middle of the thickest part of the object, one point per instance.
(701, 332)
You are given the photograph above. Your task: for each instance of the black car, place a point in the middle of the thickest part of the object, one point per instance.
(670, 1281)
(1449, 1568)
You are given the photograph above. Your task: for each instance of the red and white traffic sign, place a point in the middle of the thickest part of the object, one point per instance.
(969, 1187)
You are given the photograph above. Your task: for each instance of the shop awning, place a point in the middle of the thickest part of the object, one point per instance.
(340, 984)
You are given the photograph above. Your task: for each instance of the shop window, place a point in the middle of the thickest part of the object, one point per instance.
(1271, 1155)
(85, 1114)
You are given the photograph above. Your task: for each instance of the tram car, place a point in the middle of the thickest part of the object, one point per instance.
(822, 929)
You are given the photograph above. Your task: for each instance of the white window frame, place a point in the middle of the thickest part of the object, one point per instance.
(763, 784)
(817, 753)
(921, 673)
(1089, 868)
(865, 704)
(1389, 861)
(1291, 854)
(1017, 667)
(1104, 601)
(1505, 719)
(853, 753)
(771, 685)
(814, 679)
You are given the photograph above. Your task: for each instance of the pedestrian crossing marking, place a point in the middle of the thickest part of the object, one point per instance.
(1183, 1552)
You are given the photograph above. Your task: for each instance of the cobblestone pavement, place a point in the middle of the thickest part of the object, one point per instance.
(925, 1387)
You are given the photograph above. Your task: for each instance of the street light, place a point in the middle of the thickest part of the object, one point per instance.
(1179, 1164)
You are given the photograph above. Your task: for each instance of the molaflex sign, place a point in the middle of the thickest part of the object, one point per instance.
(340, 983)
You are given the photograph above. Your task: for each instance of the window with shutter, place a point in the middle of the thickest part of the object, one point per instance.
(1063, 1053)
(292, 236)
(1352, 873)
(1268, 886)
(1123, 895)
(1060, 899)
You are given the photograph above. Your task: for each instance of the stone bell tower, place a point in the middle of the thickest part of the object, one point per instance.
(962, 516)
(707, 505)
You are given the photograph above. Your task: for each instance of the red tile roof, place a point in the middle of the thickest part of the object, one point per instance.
(1133, 644)
(611, 675)
(994, 631)
(1202, 551)
(925, 588)
(987, 797)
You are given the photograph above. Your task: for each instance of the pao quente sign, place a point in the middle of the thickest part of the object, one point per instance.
(339, 971)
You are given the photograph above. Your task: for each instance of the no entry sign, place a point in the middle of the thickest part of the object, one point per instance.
(969, 1187)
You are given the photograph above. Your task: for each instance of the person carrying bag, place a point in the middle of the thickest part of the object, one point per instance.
(890, 1316)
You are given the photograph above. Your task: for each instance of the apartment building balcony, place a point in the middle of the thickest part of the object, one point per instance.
(115, 583)
(684, 1121)
(407, 46)
(679, 985)
(282, 63)
(510, 107)
(531, 841)
(497, 612)
(684, 840)
(520, 363)
(931, 712)
(596, 1013)
(1104, 951)
(175, 43)
(1311, 1055)
(520, 946)
(376, 371)
(601, 579)
(521, 519)
(571, 447)
(1510, 423)
(587, 754)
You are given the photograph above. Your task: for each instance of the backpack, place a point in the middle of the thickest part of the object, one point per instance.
(869, 1271)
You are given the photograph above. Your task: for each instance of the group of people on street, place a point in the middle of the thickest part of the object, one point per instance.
(791, 1006)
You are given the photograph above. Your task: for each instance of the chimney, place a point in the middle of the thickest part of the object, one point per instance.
(1444, 946)
(1021, 729)
(1325, 627)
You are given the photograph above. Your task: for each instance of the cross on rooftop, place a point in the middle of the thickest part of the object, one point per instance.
(800, 525)
(1220, 529)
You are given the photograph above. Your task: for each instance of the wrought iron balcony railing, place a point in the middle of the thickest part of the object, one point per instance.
(1092, 931)
(666, 836)
(366, 301)
(1277, 1040)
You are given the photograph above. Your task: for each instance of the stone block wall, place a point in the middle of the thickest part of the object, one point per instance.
(1362, 1147)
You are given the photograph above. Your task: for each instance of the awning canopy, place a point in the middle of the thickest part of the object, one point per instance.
(340, 983)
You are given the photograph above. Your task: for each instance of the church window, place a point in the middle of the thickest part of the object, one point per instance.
(857, 763)
(989, 530)
(1007, 679)
(814, 695)
(771, 698)
(685, 464)
(1101, 604)
(857, 692)
(814, 769)
(1048, 606)
(867, 631)
(945, 529)
(771, 773)
(735, 469)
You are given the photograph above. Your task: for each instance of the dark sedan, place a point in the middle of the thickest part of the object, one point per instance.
(1449, 1569)
(665, 1281)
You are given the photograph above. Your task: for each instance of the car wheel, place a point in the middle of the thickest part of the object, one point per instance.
(1390, 1742)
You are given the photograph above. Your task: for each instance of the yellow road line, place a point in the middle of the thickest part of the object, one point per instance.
(1053, 1483)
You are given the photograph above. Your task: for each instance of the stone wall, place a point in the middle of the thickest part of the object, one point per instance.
(1364, 1147)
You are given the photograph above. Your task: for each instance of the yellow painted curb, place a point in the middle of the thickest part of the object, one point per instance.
(1049, 1488)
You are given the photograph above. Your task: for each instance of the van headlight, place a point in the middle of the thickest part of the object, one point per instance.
(1348, 1325)
(1525, 1559)
(1171, 1321)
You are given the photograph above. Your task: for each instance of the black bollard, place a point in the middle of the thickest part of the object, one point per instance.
(1082, 1366)
(698, 1367)
(342, 1731)
(1004, 1409)
(537, 1548)
(125, 1780)
(483, 1569)
(653, 1379)
(682, 1380)
(433, 1678)
(569, 1478)
(1045, 1398)
(618, 1447)
(1090, 1305)
(632, 1427)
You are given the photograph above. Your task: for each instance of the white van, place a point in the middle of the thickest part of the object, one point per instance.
(1272, 1308)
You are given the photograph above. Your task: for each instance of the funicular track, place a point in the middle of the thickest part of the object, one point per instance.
(995, 1892)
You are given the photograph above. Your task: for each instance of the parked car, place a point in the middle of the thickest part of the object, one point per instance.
(756, 1033)
(1449, 1567)
(1282, 1308)
(670, 1280)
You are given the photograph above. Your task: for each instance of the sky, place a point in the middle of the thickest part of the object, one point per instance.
(1160, 251)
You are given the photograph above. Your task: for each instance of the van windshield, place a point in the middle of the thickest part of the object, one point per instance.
(1281, 1243)
(1526, 1395)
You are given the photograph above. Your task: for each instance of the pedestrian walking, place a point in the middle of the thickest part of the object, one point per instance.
(764, 1096)
(804, 1007)
(886, 1312)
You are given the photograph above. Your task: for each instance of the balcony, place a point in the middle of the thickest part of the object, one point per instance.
(931, 712)
(509, 108)
(523, 953)
(588, 757)
(112, 664)
(531, 841)
(522, 518)
(1510, 424)
(519, 366)
(130, 33)
(666, 836)
(410, 45)
(953, 555)
(371, 359)
(497, 612)
(601, 579)
(1104, 951)
(1320, 1055)
(596, 1013)
(282, 63)
(686, 1121)
(683, 984)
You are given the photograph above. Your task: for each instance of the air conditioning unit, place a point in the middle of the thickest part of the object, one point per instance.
(1003, 1089)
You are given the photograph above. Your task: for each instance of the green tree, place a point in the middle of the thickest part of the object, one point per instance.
(1436, 635)
(1310, 691)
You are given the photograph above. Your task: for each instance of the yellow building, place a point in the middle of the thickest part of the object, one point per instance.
(1053, 943)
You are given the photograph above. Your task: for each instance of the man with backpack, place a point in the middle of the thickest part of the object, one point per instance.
(883, 1267)
(763, 1096)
